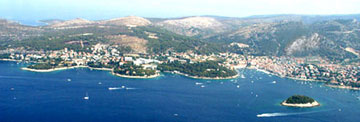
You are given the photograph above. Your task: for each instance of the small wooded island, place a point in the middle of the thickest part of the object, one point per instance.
(300, 101)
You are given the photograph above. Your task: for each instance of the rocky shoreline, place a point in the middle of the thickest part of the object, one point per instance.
(137, 77)
(307, 105)
(105, 69)
(204, 78)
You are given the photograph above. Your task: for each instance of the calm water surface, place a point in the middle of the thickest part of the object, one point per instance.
(30, 96)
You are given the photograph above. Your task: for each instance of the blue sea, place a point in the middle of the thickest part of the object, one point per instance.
(58, 97)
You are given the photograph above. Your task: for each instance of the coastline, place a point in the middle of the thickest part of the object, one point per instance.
(9, 60)
(293, 78)
(342, 87)
(52, 70)
(307, 105)
(137, 77)
(204, 78)
(183, 74)
(104, 69)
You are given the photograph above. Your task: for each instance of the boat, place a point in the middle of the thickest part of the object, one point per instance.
(202, 86)
(197, 83)
(87, 96)
(115, 88)
(238, 86)
(99, 83)
(273, 82)
(69, 80)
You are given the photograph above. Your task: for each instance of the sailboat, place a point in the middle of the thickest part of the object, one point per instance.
(86, 97)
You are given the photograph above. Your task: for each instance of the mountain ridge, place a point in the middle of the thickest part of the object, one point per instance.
(278, 35)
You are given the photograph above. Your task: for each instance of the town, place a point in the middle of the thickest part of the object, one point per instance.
(107, 57)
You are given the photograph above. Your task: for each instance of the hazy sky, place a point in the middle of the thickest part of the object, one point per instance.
(104, 9)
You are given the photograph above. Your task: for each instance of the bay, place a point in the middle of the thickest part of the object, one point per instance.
(58, 96)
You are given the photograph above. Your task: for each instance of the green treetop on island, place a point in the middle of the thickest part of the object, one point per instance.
(299, 99)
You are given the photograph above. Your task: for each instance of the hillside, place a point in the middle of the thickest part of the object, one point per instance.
(131, 21)
(192, 26)
(276, 35)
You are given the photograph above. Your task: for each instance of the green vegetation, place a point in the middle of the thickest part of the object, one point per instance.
(202, 69)
(100, 65)
(299, 99)
(266, 39)
(41, 66)
(4, 56)
(168, 40)
(59, 42)
(133, 70)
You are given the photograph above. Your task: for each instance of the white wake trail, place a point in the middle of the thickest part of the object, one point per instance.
(286, 114)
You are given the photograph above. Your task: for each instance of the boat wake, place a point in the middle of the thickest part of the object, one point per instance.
(119, 88)
(286, 114)
(130, 88)
(272, 114)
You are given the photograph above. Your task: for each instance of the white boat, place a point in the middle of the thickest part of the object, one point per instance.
(202, 86)
(197, 83)
(273, 82)
(115, 88)
(238, 86)
(68, 80)
(86, 97)
(99, 83)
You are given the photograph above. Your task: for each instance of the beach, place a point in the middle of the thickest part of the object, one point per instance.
(51, 70)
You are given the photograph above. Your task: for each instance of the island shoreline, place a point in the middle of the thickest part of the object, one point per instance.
(307, 105)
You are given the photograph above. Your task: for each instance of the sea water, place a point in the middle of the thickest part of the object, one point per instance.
(31, 96)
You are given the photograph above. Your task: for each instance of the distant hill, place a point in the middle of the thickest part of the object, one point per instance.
(127, 21)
